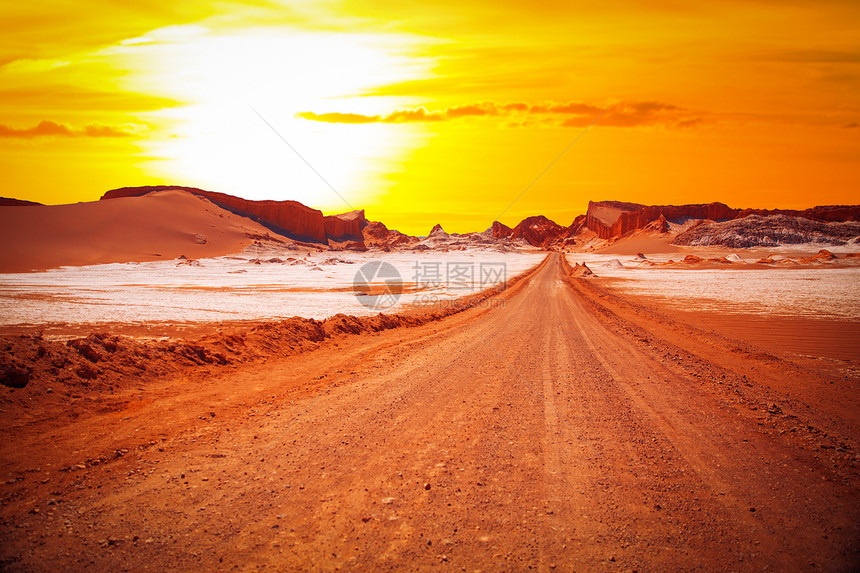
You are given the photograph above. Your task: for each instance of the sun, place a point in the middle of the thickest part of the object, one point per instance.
(235, 129)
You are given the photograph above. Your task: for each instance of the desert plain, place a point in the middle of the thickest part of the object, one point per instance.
(189, 386)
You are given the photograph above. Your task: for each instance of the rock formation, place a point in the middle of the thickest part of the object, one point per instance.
(612, 219)
(769, 231)
(345, 227)
(347, 246)
(377, 235)
(438, 232)
(499, 231)
(537, 231)
(606, 220)
(581, 271)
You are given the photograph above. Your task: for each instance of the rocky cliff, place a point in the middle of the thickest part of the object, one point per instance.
(829, 213)
(605, 219)
(612, 219)
(769, 231)
(499, 231)
(377, 235)
(346, 226)
(537, 231)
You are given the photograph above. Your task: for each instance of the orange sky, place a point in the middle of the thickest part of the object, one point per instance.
(442, 111)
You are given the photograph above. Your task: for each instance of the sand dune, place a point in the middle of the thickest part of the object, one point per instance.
(641, 243)
(157, 226)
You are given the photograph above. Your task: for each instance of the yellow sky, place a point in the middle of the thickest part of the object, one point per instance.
(443, 111)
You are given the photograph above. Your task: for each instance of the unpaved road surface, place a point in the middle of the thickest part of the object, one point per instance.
(563, 429)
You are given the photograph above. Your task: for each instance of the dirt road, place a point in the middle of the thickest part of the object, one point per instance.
(563, 429)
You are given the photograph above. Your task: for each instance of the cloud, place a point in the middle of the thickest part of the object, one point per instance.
(570, 114)
(104, 131)
(852, 125)
(810, 56)
(567, 108)
(407, 115)
(419, 114)
(473, 110)
(52, 129)
(338, 117)
(639, 114)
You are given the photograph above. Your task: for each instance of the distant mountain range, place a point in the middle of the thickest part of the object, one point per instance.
(605, 221)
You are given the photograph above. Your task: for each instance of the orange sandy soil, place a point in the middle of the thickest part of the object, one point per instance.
(797, 337)
(154, 227)
(561, 428)
(165, 329)
(649, 243)
(641, 244)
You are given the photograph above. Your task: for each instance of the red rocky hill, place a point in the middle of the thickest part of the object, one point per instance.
(605, 219)
(612, 219)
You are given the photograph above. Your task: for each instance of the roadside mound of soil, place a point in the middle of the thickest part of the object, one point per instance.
(32, 366)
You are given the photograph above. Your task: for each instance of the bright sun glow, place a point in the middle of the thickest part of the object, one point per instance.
(216, 139)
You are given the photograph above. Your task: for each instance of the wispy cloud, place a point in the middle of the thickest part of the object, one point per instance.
(813, 56)
(569, 114)
(419, 114)
(339, 117)
(52, 129)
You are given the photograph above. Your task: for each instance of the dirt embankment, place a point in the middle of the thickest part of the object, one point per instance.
(104, 362)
